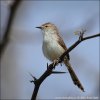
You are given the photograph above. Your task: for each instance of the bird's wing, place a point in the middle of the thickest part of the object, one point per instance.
(61, 42)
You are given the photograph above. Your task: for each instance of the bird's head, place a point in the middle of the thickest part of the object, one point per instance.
(48, 27)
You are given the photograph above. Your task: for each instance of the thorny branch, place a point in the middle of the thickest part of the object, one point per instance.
(52, 66)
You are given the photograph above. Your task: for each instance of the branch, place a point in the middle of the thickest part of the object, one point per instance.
(50, 67)
(5, 39)
(78, 42)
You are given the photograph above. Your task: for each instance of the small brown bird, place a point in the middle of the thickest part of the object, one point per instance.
(54, 46)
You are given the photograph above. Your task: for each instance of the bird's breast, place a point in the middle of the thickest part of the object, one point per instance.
(51, 49)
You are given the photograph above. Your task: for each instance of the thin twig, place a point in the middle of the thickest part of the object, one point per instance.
(51, 66)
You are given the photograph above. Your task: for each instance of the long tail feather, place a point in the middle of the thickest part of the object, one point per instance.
(73, 75)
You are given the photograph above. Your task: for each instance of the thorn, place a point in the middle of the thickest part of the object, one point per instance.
(47, 66)
(33, 77)
(57, 72)
(32, 81)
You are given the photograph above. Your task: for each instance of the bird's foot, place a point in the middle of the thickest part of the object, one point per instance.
(55, 62)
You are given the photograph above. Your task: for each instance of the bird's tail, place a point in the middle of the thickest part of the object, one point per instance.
(73, 75)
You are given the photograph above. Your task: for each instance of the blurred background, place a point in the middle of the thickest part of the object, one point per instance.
(23, 54)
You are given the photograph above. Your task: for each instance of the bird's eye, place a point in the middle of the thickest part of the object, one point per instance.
(46, 26)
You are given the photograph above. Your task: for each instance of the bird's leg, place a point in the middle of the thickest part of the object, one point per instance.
(56, 62)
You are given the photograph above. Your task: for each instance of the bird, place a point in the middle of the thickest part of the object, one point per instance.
(53, 47)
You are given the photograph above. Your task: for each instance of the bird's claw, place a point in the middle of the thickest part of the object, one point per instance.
(55, 62)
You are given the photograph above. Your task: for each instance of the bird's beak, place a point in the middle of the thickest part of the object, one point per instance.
(39, 27)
